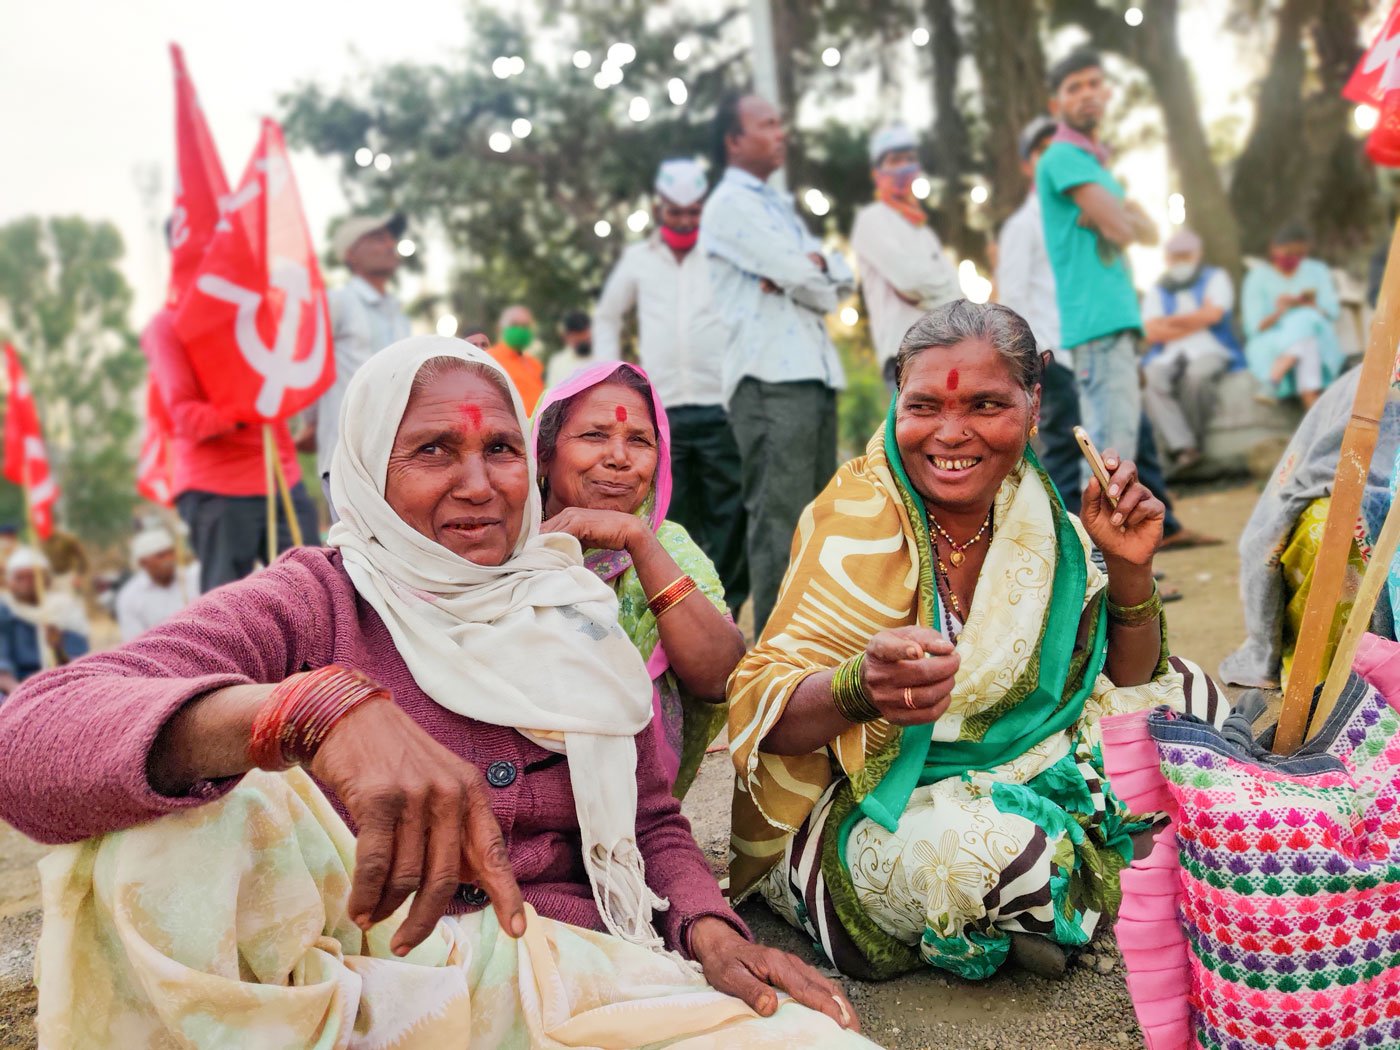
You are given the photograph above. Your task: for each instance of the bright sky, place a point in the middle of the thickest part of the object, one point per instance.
(89, 108)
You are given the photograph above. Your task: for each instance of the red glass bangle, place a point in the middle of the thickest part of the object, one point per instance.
(302, 710)
(671, 595)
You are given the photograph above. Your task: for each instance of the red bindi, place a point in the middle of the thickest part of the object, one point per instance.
(472, 414)
(953, 379)
(621, 413)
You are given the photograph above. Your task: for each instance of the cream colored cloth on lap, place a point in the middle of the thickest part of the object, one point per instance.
(225, 926)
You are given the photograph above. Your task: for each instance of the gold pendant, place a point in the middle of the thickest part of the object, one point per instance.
(957, 558)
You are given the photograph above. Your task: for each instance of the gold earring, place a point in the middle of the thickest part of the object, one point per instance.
(1035, 429)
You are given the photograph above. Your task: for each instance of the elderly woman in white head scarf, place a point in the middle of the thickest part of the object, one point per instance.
(39, 626)
(458, 688)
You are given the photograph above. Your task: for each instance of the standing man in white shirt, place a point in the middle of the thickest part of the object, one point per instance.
(365, 318)
(1186, 318)
(157, 590)
(681, 343)
(773, 286)
(903, 270)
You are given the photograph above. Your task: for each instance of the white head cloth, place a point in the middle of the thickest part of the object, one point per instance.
(150, 541)
(25, 558)
(890, 138)
(533, 643)
(681, 181)
(1183, 241)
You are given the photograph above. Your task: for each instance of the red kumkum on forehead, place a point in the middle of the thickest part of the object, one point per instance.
(472, 414)
(621, 413)
(952, 379)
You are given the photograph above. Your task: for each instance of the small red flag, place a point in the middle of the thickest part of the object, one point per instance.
(154, 479)
(1376, 82)
(26, 458)
(199, 183)
(255, 321)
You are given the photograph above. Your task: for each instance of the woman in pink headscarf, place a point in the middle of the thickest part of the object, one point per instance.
(603, 446)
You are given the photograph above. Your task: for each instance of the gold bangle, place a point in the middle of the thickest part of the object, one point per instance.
(1139, 615)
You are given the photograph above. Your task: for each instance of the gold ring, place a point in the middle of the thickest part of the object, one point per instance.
(908, 698)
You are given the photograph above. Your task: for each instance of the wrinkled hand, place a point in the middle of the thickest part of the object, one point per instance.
(1130, 532)
(914, 658)
(424, 819)
(607, 530)
(756, 974)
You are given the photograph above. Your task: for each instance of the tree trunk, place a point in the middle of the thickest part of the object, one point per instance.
(1155, 48)
(1011, 66)
(1267, 188)
(951, 146)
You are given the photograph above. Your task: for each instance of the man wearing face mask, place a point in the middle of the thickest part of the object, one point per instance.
(577, 351)
(1186, 318)
(903, 271)
(681, 343)
(517, 332)
(1290, 306)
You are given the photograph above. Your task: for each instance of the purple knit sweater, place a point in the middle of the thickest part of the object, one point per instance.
(74, 741)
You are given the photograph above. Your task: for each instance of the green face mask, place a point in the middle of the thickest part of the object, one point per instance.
(517, 336)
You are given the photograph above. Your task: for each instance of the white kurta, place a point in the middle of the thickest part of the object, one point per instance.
(142, 603)
(903, 272)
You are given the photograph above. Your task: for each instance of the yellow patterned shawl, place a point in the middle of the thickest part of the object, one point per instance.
(854, 572)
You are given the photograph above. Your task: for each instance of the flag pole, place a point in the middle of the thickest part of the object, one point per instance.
(293, 526)
(269, 477)
(176, 526)
(47, 658)
(1358, 443)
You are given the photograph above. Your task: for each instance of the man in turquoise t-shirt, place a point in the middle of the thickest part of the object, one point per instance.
(1087, 225)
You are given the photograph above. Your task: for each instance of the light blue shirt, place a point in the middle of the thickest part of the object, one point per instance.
(749, 231)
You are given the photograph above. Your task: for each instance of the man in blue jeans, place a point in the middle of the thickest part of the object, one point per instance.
(1088, 224)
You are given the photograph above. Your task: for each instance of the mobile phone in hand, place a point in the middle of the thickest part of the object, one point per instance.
(1086, 446)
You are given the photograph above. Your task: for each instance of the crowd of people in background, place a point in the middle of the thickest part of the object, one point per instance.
(920, 779)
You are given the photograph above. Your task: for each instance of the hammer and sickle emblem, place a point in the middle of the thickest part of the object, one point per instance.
(276, 364)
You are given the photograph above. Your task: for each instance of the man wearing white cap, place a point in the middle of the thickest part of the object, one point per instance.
(365, 318)
(681, 343)
(59, 615)
(157, 590)
(1186, 318)
(903, 270)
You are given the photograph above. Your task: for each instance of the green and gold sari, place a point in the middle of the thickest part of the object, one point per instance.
(934, 843)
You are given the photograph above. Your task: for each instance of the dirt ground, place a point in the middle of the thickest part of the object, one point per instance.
(1087, 1010)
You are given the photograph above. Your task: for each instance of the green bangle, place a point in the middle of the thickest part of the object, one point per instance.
(1139, 615)
(848, 692)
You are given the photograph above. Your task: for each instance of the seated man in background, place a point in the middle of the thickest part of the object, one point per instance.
(1186, 317)
(23, 612)
(1290, 305)
(157, 590)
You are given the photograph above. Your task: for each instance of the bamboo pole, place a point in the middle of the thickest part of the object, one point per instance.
(270, 483)
(1358, 443)
(293, 525)
(47, 657)
(1377, 572)
(177, 529)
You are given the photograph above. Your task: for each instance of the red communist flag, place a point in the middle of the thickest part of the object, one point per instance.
(199, 183)
(255, 320)
(1376, 82)
(26, 458)
(154, 480)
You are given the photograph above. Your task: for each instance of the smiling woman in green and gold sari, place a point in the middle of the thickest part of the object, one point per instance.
(917, 732)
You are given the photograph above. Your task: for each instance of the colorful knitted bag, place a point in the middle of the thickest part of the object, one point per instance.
(1269, 913)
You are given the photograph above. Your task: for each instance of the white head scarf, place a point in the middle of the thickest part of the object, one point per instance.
(533, 643)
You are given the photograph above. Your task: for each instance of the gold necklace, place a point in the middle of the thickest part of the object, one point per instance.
(959, 555)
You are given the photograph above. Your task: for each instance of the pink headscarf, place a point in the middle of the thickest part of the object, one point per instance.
(611, 564)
